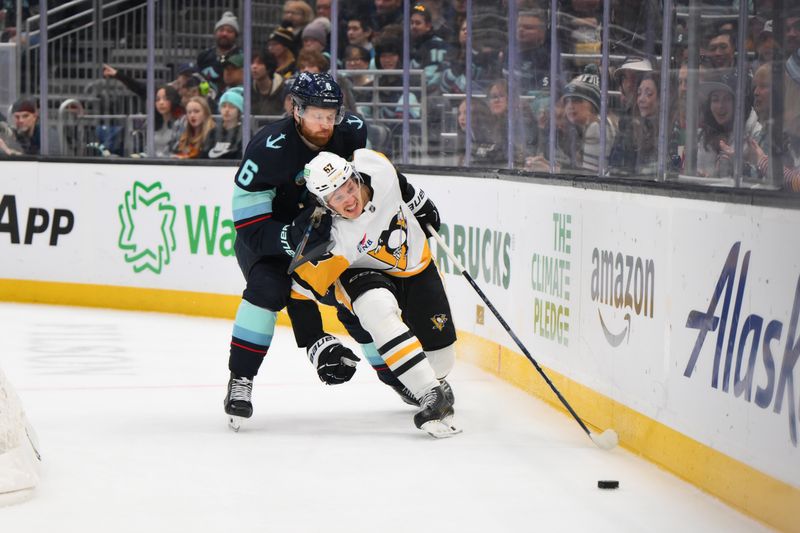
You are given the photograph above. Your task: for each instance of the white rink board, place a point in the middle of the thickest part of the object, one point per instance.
(532, 262)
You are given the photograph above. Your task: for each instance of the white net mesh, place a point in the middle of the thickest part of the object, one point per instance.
(18, 456)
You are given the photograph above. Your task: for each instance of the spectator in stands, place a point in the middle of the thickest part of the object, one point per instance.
(524, 125)
(228, 139)
(8, 18)
(764, 46)
(582, 109)
(627, 78)
(721, 50)
(323, 9)
(8, 141)
(315, 36)
(359, 33)
(387, 12)
(233, 70)
(485, 149)
(281, 46)
(265, 96)
(199, 134)
(209, 62)
(716, 126)
(196, 85)
(388, 53)
(534, 52)
(485, 66)
(357, 58)
(677, 134)
(167, 120)
(580, 32)
(428, 50)
(26, 126)
(635, 150)
(296, 15)
(541, 161)
(312, 61)
(792, 32)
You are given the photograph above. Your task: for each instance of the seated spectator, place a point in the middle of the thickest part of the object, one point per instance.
(677, 134)
(454, 68)
(627, 78)
(312, 61)
(296, 15)
(359, 33)
(323, 9)
(582, 109)
(196, 85)
(210, 61)
(428, 50)
(580, 32)
(167, 124)
(199, 134)
(8, 18)
(233, 70)
(716, 126)
(388, 53)
(523, 123)
(281, 46)
(265, 97)
(765, 46)
(357, 58)
(26, 126)
(228, 143)
(635, 151)
(387, 12)
(485, 151)
(315, 36)
(541, 161)
(533, 50)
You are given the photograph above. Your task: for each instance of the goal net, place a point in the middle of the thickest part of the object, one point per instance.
(19, 457)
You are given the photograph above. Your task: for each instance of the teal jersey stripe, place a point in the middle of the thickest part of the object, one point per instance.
(252, 337)
(247, 204)
(372, 355)
(255, 320)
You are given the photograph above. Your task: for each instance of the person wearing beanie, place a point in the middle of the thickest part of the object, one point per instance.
(210, 61)
(315, 36)
(281, 46)
(26, 126)
(582, 109)
(228, 143)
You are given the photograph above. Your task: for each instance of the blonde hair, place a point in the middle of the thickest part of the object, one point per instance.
(191, 141)
(303, 6)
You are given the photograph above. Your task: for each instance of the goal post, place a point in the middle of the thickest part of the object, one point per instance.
(19, 457)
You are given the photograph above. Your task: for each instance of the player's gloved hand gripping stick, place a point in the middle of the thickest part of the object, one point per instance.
(608, 439)
(318, 249)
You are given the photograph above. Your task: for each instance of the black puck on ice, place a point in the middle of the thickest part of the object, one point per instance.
(607, 484)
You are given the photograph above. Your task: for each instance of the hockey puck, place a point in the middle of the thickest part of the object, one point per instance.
(607, 484)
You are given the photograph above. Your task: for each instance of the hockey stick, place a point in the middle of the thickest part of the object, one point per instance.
(606, 440)
(297, 259)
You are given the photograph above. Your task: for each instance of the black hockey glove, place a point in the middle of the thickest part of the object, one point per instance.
(292, 234)
(428, 214)
(335, 363)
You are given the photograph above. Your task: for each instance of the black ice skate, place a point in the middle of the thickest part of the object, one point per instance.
(237, 402)
(436, 415)
(448, 391)
(406, 395)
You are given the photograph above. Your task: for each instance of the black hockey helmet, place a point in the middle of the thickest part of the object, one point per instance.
(318, 90)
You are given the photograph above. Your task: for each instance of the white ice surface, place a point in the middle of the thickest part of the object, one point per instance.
(128, 409)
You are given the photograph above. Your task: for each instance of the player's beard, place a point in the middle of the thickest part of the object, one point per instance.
(317, 139)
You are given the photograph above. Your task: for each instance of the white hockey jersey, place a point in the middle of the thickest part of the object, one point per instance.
(386, 237)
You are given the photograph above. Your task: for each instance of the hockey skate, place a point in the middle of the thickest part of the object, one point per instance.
(237, 402)
(406, 395)
(436, 414)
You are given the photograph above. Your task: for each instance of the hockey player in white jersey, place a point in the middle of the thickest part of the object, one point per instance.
(380, 266)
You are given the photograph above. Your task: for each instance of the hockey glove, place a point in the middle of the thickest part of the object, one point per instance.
(428, 214)
(335, 363)
(292, 234)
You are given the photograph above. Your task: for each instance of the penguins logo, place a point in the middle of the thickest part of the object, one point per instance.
(392, 247)
(439, 321)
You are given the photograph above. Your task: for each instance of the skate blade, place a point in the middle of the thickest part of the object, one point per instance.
(235, 422)
(440, 429)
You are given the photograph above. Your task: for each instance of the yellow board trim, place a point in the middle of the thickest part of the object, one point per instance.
(764, 498)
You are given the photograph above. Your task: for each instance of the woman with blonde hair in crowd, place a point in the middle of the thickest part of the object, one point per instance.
(199, 135)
